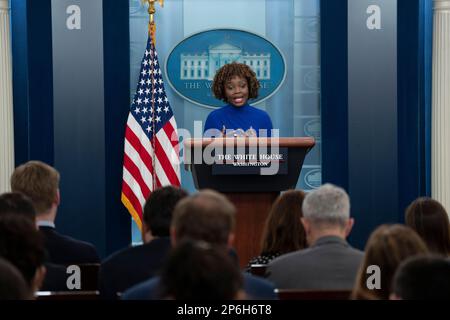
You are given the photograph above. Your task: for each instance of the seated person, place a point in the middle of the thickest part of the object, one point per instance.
(283, 230)
(40, 182)
(329, 263)
(430, 220)
(12, 283)
(17, 204)
(422, 278)
(200, 271)
(235, 83)
(210, 217)
(132, 265)
(22, 245)
(386, 248)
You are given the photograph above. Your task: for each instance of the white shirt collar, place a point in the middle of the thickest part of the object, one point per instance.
(46, 223)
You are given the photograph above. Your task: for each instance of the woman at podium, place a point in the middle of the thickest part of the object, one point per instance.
(235, 83)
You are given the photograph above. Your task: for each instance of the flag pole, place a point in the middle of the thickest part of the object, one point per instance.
(152, 35)
(151, 22)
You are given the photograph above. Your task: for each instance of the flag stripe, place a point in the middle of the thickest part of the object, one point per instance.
(140, 142)
(171, 131)
(134, 186)
(134, 171)
(165, 137)
(144, 171)
(164, 161)
(128, 192)
(160, 173)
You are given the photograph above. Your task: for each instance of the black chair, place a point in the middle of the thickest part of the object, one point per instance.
(89, 276)
(294, 294)
(258, 270)
(67, 295)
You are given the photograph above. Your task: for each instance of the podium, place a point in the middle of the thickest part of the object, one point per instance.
(251, 172)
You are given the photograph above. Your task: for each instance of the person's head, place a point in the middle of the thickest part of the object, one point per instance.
(23, 246)
(205, 216)
(235, 83)
(386, 248)
(430, 220)
(326, 211)
(283, 231)
(39, 182)
(422, 278)
(17, 204)
(200, 271)
(158, 210)
(12, 284)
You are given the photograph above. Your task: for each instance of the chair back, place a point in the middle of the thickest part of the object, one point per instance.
(258, 270)
(294, 294)
(89, 276)
(67, 295)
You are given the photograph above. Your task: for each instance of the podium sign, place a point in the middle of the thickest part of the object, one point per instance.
(244, 161)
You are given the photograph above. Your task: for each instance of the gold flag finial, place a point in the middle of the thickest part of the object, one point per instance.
(151, 12)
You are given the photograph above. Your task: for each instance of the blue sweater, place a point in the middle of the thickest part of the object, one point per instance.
(233, 118)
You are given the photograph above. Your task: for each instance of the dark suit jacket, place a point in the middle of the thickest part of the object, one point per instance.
(65, 250)
(331, 263)
(255, 288)
(129, 266)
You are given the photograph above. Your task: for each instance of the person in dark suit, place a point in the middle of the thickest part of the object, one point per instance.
(330, 262)
(132, 265)
(18, 204)
(210, 217)
(40, 182)
(22, 245)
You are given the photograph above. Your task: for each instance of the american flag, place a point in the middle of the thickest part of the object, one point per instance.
(150, 160)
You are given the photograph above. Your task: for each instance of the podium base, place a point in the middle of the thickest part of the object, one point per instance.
(252, 211)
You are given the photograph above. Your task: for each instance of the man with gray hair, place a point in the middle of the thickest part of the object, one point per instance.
(329, 262)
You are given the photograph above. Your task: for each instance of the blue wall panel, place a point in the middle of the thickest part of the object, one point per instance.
(409, 163)
(85, 135)
(32, 80)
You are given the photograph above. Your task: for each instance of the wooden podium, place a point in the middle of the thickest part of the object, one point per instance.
(251, 172)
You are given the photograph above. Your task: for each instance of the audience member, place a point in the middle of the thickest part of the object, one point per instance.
(430, 220)
(206, 216)
(22, 245)
(40, 182)
(136, 264)
(200, 271)
(386, 248)
(422, 278)
(283, 230)
(17, 204)
(12, 284)
(330, 262)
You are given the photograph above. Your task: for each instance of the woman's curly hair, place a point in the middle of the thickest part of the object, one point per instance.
(227, 72)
